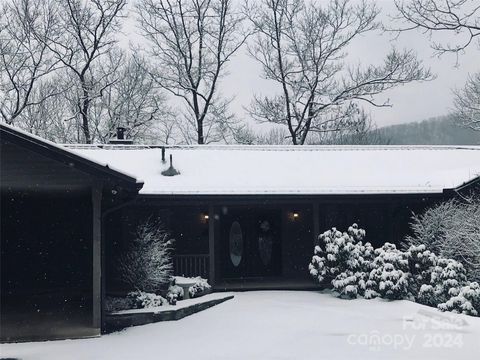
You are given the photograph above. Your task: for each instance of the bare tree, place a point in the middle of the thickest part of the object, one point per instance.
(190, 43)
(133, 101)
(24, 60)
(364, 132)
(82, 34)
(303, 46)
(467, 104)
(462, 19)
(274, 136)
(47, 117)
(459, 17)
(451, 229)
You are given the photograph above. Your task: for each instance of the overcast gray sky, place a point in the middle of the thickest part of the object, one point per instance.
(411, 102)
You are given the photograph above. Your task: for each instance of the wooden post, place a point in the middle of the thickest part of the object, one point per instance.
(97, 255)
(211, 244)
(316, 222)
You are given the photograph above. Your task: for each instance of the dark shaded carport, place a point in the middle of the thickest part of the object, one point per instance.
(52, 205)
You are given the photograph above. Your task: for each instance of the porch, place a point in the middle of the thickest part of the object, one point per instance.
(258, 243)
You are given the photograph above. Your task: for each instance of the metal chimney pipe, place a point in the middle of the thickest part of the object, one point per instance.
(120, 133)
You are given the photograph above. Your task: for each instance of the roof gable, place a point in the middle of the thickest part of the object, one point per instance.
(64, 155)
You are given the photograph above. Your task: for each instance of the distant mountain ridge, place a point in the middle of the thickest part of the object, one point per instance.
(433, 131)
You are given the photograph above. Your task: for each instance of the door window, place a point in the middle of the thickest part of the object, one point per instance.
(265, 242)
(236, 243)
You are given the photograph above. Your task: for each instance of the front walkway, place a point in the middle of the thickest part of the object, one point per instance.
(282, 325)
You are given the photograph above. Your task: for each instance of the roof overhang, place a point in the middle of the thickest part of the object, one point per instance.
(59, 153)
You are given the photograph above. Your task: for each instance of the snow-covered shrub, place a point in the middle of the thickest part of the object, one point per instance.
(335, 253)
(146, 265)
(420, 266)
(343, 260)
(389, 276)
(447, 278)
(141, 300)
(426, 295)
(172, 298)
(354, 269)
(438, 282)
(350, 284)
(201, 287)
(466, 302)
(324, 264)
(451, 230)
(176, 290)
(174, 293)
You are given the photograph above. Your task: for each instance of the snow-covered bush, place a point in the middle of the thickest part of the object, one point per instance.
(174, 293)
(350, 284)
(336, 253)
(201, 287)
(389, 276)
(433, 279)
(447, 278)
(177, 291)
(420, 266)
(141, 300)
(451, 230)
(466, 302)
(172, 298)
(146, 265)
(353, 269)
(324, 264)
(343, 260)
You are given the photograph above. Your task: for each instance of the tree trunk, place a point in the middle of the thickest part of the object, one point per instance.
(200, 138)
(84, 112)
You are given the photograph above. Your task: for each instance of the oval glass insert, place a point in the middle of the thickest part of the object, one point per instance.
(236, 243)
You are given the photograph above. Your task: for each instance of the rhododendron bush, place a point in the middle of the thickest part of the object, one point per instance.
(351, 267)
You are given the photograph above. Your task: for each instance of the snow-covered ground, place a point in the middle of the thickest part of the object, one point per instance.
(282, 325)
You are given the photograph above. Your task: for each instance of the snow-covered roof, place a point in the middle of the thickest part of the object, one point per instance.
(292, 170)
(65, 152)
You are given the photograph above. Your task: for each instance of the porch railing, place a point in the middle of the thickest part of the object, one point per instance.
(191, 265)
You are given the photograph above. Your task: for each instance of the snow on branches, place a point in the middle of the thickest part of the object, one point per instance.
(344, 260)
(351, 268)
(146, 265)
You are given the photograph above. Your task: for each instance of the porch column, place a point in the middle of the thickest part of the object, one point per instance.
(316, 222)
(211, 245)
(97, 254)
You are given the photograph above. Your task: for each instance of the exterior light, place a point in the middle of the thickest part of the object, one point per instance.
(204, 217)
(295, 215)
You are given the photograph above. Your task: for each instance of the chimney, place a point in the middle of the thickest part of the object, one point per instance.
(163, 154)
(120, 133)
(120, 137)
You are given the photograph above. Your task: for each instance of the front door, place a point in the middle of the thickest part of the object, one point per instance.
(251, 243)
